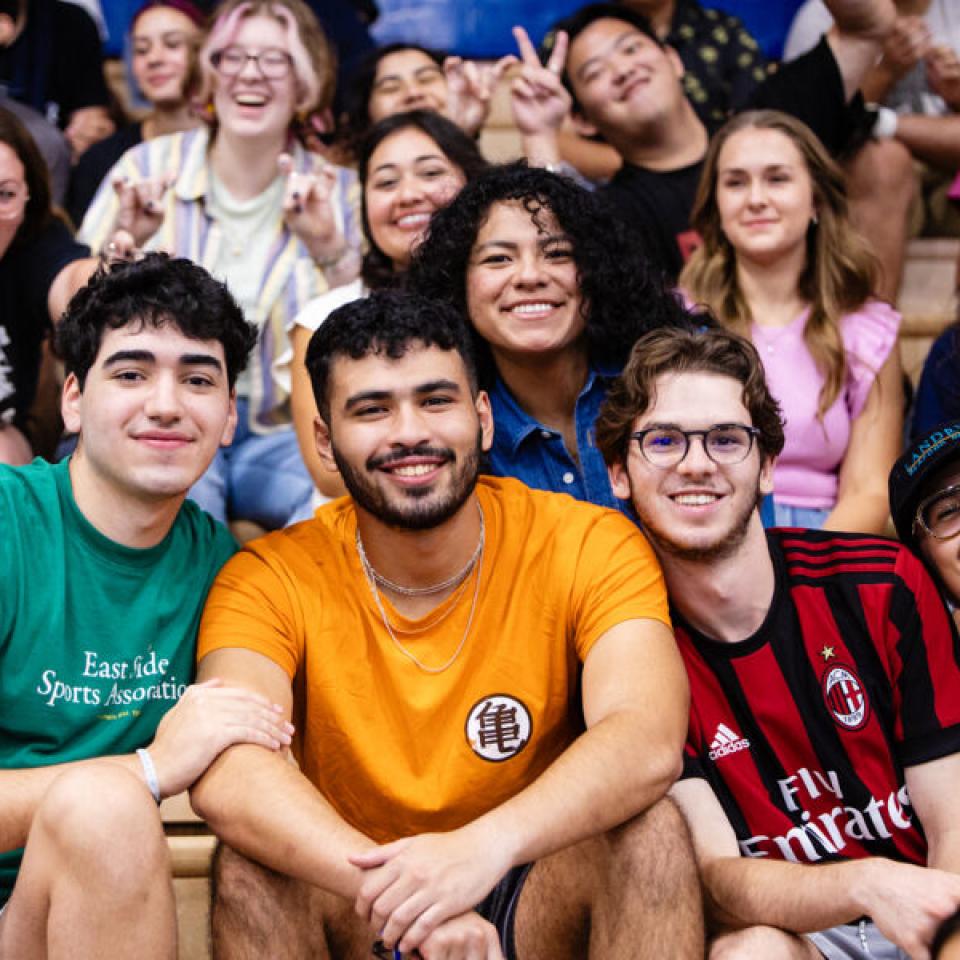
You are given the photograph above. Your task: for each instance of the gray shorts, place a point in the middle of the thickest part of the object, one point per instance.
(855, 941)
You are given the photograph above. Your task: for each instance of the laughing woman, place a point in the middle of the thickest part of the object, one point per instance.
(244, 199)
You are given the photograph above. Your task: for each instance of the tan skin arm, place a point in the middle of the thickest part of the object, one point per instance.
(907, 902)
(857, 37)
(66, 283)
(305, 413)
(862, 500)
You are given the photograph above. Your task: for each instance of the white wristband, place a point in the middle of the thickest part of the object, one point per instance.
(149, 773)
(885, 126)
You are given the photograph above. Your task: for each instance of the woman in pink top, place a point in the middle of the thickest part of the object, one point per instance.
(781, 263)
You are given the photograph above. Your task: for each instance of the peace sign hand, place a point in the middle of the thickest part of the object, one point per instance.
(540, 101)
(470, 87)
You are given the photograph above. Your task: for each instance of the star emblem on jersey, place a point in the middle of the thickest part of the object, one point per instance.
(498, 727)
(726, 741)
(845, 697)
(828, 654)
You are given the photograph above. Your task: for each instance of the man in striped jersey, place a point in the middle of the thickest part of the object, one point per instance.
(825, 714)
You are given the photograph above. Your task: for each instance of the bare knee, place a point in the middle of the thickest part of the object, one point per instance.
(882, 171)
(101, 819)
(767, 942)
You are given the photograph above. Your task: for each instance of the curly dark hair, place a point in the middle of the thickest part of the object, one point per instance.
(707, 349)
(355, 118)
(454, 144)
(624, 296)
(387, 322)
(156, 290)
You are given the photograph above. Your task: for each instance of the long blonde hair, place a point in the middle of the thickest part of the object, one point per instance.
(840, 271)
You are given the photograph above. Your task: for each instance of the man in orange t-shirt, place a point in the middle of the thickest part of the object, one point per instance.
(488, 700)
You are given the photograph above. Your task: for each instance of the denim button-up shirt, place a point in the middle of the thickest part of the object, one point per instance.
(524, 448)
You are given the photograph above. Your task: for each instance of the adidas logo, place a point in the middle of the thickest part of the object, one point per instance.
(726, 741)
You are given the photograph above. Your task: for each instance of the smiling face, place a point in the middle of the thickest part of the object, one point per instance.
(152, 413)
(249, 104)
(695, 510)
(164, 41)
(765, 197)
(407, 80)
(623, 80)
(408, 179)
(523, 294)
(406, 434)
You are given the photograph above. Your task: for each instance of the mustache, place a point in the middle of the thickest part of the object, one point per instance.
(401, 453)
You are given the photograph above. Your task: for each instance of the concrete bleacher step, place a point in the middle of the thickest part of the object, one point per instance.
(928, 297)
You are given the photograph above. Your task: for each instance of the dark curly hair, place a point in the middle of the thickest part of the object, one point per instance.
(624, 296)
(156, 290)
(454, 144)
(387, 322)
(355, 119)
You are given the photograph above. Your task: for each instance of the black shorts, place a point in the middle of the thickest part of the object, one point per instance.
(499, 907)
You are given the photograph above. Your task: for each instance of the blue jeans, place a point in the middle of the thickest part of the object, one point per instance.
(808, 517)
(259, 477)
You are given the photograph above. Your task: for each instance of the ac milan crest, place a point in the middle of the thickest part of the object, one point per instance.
(845, 697)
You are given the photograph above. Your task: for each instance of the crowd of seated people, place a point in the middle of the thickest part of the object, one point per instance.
(574, 605)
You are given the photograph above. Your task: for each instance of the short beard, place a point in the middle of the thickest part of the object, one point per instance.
(420, 515)
(721, 550)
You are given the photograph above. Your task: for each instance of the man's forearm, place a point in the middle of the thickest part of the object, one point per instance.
(934, 139)
(746, 891)
(262, 806)
(602, 780)
(856, 39)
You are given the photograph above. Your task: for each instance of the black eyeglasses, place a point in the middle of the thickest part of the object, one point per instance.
(939, 514)
(723, 443)
(273, 63)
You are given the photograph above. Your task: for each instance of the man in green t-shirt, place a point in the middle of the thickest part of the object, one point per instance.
(103, 572)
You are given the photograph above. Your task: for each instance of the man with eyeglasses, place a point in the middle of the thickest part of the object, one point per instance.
(925, 504)
(825, 688)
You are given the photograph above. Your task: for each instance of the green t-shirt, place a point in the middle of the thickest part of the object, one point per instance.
(97, 640)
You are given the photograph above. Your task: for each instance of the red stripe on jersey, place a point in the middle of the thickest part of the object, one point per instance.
(865, 745)
(832, 544)
(876, 610)
(802, 570)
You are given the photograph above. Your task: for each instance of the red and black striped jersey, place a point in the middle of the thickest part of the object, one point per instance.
(804, 729)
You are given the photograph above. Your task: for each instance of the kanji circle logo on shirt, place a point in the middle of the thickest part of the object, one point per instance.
(845, 697)
(498, 727)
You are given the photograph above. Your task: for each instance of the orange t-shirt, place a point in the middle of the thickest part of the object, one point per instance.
(398, 751)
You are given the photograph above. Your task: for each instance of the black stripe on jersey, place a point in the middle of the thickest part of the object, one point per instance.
(917, 712)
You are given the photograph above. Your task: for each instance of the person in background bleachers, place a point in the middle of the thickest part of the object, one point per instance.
(626, 86)
(164, 36)
(244, 199)
(722, 64)
(781, 263)
(916, 83)
(557, 291)
(401, 76)
(51, 143)
(409, 165)
(938, 393)
(40, 269)
(52, 60)
(103, 574)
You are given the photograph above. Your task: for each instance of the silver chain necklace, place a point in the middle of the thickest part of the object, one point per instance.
(373, 578)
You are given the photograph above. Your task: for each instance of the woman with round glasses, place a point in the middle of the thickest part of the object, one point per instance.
(557, 291)
(40, 269)
(244, 199)
(925, 504)
(162, 50)
(781, 263)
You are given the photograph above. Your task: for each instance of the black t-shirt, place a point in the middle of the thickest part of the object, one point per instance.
(659, 202)
(26, 273)
(56, 64)
(95, 164)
